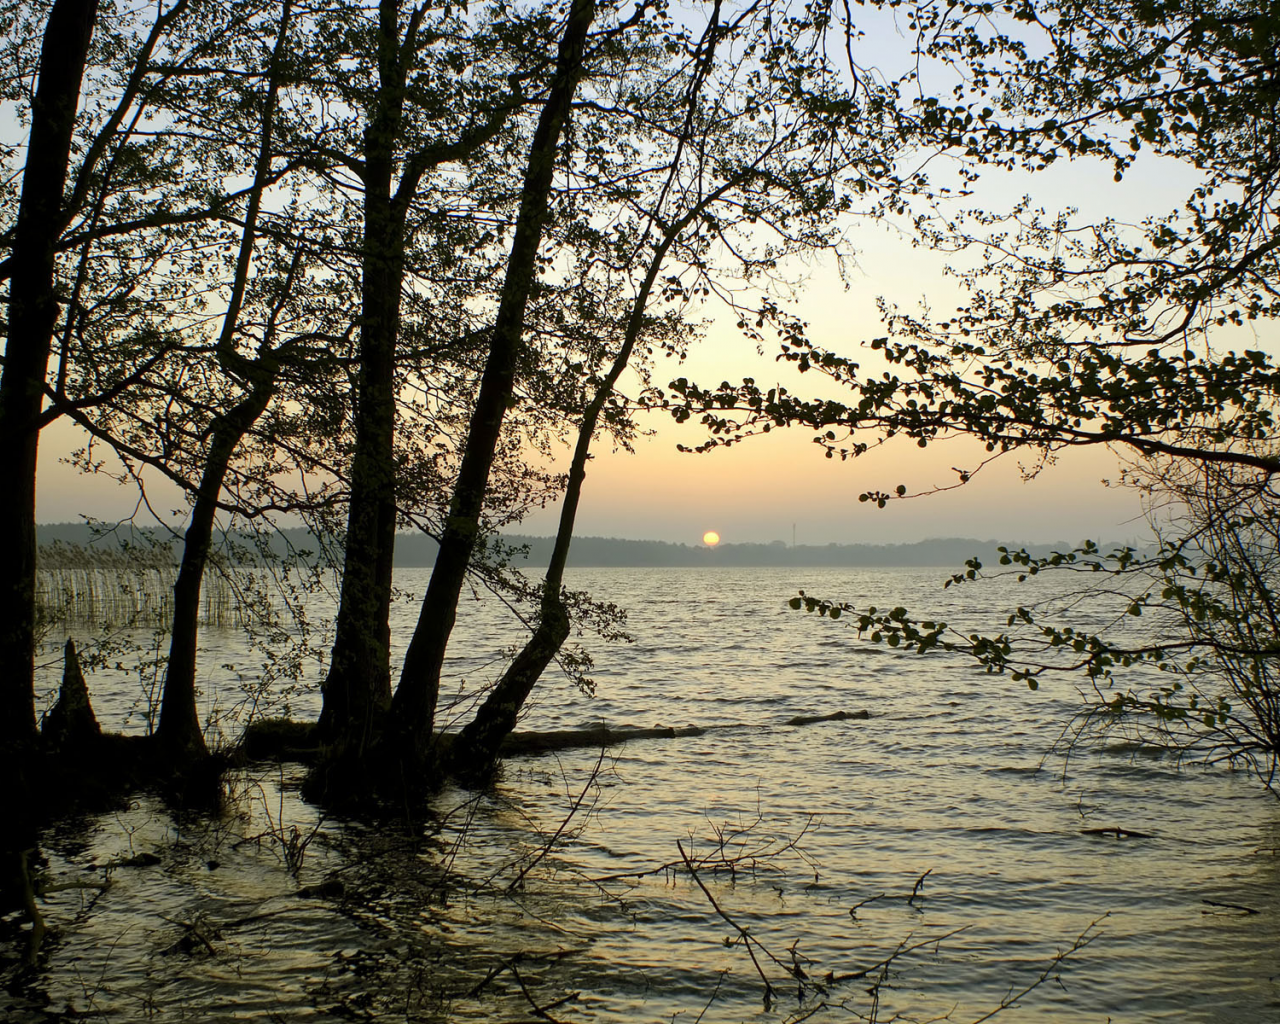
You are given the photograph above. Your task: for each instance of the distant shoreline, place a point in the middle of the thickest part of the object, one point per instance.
(418, 550)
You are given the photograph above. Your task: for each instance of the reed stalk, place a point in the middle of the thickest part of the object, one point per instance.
(122, 587)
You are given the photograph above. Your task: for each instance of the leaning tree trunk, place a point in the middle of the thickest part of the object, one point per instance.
(474, 753)
(415, 700)
(33, 309)
(179, 731)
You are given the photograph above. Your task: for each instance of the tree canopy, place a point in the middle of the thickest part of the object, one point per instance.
(370, 264)
(1076, 333)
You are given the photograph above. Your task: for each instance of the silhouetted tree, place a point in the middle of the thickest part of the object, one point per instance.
(357, 691)
(1106, 334)
(709, 176)
(415, 699)
(33, 310)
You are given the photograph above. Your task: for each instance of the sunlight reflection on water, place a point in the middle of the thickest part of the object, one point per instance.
(949, 776)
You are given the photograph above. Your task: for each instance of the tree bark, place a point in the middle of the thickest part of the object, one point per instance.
(474, 753)
(179, 730)
(33, 309)
(415, 698)
(71, 724)
(357, 690)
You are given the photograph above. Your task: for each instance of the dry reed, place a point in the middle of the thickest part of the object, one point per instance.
(122, 587)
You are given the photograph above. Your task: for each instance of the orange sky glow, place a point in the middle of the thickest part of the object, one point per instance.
(773, 487)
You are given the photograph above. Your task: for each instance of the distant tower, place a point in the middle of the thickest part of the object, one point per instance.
(793, 534)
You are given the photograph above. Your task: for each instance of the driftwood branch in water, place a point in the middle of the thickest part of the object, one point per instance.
(1229, 906)
(1117, 831)
(597, 736)
(602, 736)
(286, 740)
(835, 716)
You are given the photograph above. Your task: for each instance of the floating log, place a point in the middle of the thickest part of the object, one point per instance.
(280, 739)
(835, 716)
(599, 736)
(1229, 906)
(1117, 831)
(602, 736)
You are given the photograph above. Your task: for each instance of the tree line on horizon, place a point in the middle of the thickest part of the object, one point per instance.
(417, 550)
(372, 265)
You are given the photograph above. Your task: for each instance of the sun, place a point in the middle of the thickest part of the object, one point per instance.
(711, 538)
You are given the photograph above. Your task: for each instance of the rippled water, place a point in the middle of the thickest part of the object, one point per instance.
(506, 901)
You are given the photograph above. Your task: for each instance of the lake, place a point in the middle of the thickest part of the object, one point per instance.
(561, 894)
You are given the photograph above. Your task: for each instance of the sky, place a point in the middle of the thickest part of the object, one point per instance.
(759, 491)
(767, 487)
(781, 486)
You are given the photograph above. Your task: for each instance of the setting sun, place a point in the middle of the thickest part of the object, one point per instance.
(711, 538)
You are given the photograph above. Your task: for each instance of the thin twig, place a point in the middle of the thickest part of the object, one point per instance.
(714, 992)
(853, 910)
(547, 846)
(746, 936)
(1083, 939)
(903, 948)
(915, 889)
(540, 1011)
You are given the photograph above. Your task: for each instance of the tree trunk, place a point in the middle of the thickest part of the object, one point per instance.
(179, 731)
(33, 308)
(71, 725)
(474, 754)
(357, 691)
(415, 699)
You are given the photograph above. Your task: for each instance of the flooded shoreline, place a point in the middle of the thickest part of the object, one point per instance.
(564, 887)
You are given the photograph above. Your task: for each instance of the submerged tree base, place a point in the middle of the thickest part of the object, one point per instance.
(99, 772)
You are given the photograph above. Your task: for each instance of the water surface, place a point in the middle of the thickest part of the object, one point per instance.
(501, 904)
